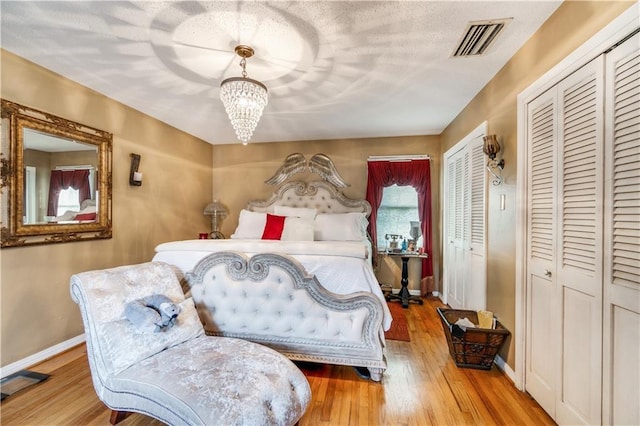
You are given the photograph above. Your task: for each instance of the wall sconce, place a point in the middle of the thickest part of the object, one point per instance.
(218, 212)
(491, 148)
(135, 177)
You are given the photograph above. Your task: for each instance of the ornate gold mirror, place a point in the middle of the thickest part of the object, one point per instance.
(55, 179)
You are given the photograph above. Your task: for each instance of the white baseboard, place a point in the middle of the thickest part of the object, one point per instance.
(27, 362)
(502, 365)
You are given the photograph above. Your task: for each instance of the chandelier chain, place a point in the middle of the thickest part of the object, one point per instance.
(243, 64)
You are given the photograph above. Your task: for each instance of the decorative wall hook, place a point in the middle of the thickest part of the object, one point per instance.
(135, 177)
(495, 168)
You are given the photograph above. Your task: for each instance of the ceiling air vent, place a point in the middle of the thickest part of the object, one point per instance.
(478, 36)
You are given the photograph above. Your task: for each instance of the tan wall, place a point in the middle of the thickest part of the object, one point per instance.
(36, 310)
(240, 172)
(570, 26)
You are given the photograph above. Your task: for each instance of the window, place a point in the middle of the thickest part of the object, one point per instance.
(69, 187)
(415, 173)
(398, 208)
(69, 199)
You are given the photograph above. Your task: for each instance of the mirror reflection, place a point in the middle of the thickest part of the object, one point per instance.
(55, 179)
(59, 179)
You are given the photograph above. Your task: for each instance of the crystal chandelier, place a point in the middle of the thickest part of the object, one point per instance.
(243, 98)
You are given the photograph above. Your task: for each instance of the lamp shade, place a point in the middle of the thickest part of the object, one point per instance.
(491, 146)
(216, 209)
(415, 232)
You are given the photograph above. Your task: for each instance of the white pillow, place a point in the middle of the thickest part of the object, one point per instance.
(302, 212)
(86, 203)
(341, 227)
(250, 225)
(297, 229)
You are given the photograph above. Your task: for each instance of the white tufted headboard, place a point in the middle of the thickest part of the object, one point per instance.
(322, 196)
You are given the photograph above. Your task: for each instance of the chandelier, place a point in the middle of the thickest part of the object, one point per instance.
(243, 98)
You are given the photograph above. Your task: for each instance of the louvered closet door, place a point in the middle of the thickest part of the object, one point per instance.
(457, 195)
(622, 237)
(564, 290)
(579, 251)
(464, 217)
(476, 297)
(541, 318)
(450, 217)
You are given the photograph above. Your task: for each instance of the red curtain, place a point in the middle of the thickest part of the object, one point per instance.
(415, 173)
(65, 179)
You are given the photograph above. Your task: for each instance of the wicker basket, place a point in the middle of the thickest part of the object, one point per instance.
(475, 348)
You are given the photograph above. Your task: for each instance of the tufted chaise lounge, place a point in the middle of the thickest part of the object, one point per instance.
(180, 376)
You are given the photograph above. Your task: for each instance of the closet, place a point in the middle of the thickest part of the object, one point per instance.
(464, 277)
(582, 263)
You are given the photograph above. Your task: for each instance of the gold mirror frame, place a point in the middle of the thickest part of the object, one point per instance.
(13, 231)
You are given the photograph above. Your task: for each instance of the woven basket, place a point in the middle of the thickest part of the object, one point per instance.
(475, 347)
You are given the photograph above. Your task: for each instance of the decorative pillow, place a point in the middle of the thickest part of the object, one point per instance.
(341, 227)
(85, 216)
(298, 229)
(274, 227)
(302, 212)
(87, 203)
(250, 225)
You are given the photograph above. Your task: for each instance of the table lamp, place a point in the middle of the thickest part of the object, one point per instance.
(415, 232)
(218, 212)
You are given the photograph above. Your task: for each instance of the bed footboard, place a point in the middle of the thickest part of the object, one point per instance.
(270, 299)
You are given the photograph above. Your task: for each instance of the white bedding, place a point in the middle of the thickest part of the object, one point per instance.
(342, 267)
(70, 215)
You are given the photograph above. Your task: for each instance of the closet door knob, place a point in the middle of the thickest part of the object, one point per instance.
(547, 273)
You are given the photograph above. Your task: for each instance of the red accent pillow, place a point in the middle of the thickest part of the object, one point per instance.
(273, 228)
(85, 216)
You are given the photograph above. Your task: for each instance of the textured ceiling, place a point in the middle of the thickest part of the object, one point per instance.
(334, 69)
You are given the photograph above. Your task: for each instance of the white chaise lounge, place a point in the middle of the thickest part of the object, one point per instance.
(180, 376)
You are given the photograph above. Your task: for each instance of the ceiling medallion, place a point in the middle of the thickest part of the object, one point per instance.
(244, 99)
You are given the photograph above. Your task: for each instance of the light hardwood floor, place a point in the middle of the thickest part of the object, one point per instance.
(422, 386)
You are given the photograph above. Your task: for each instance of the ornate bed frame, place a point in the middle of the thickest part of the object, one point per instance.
(270, 298)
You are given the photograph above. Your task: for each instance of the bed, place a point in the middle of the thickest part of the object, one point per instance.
(88, 212)
(302, 283)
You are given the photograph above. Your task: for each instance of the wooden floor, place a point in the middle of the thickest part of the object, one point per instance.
(422, 386)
